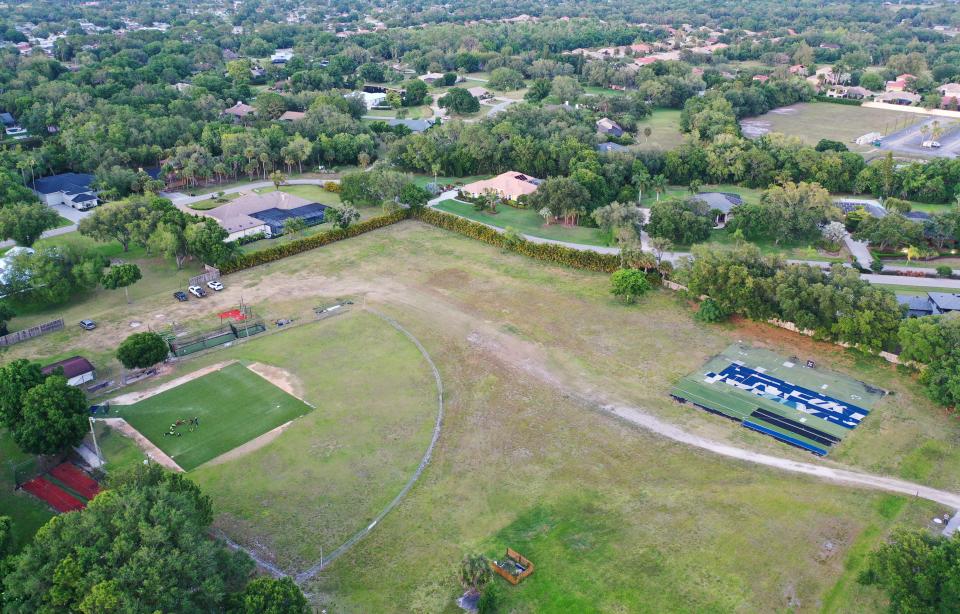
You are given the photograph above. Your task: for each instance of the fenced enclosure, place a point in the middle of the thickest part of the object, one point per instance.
(514, 568)
(209, 274)
(30, 333)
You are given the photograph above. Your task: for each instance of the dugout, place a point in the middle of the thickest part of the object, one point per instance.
(201, 341)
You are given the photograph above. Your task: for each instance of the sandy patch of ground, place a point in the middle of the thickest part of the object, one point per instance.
(281, 378)
(153, 452)
(134, 397)
(251, 446)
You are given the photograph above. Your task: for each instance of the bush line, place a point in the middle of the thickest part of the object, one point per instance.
(270, 254)
(550, 252)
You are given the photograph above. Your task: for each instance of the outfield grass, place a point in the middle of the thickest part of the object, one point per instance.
(234, 405)
(525, 221)
(330, 472)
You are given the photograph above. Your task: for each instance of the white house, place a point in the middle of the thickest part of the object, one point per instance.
(281, 56)
(70, 189)
(76, 369)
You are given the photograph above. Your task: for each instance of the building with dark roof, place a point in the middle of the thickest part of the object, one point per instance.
(849, 205)
(917, 306)
(312, 214)
(721, 202)
(70, 189)
(76, 369)
(945, 302)
(7, 120)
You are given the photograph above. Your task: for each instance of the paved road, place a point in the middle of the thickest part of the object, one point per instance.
(50, 233)
(906, 280)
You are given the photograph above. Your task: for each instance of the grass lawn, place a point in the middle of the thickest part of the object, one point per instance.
(159, 275)
(421, 112)
(925, 264)
(529, 353)
(332, 470)
(665, 130)
(525, 221)
(722, 237)
(214, 202)
(234, 405)
(424, 180)
(63, 222)
(27, 512)
(812, 121)
(313, 193)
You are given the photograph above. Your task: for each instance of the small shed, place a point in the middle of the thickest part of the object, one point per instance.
(77, 369)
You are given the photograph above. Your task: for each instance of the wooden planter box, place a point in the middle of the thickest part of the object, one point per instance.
(519, 558)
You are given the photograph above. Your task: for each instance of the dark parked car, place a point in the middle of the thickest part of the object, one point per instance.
(180, 296)
(88, 324)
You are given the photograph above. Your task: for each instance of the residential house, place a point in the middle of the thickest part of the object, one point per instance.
(291, 116)
(70, 189)
(239, 111)
(900, 84)
(798, 69)
(901, 98)
(847, 205)
(229, 55)
(371, 99)
(431, 77)
(849, 92)
(761, 78)
(7, 120)
(281, 56)
(933, 304)
(77, 369)
(415, 125)
(721, 204)
(254, 214)
(509, 186)
(609, 127)
(605, 148)
(480, 93)
(949, 89)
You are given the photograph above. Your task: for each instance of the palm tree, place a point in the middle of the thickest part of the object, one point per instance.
(936, 130)
(642, 182)
(924, 131)
(474, 572)
(659, 183)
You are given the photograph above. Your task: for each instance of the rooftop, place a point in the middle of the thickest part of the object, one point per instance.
(721, 201)
(72, 183)
(238, 215)
(72, 367)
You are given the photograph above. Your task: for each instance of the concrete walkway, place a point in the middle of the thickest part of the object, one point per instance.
(860, 251)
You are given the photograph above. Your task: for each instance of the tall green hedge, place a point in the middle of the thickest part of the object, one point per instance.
(550, 252)
(270, 254)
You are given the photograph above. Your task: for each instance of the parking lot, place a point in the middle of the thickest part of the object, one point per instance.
(909, 140)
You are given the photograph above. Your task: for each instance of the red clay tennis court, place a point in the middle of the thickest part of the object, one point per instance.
(77, 480)
(59, 499)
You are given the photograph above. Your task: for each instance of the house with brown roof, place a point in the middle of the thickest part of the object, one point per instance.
(291, 116)
(239, 111)
(480, 93)
(77, 369)
(607, 126)
(902, 98)
(253, 214)
(508, 186)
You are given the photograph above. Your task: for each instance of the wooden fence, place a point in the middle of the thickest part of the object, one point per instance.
(209, 274)
(30, 333)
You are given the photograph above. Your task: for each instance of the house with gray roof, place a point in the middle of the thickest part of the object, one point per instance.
(722, 203)
(70, 189)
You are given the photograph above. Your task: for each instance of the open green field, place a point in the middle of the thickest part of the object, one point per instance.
(424, 180)
(213, 202)
(421, 112)
(812, 121)
(529, 353)
(525, 221)
(234, 405)
(665, 130)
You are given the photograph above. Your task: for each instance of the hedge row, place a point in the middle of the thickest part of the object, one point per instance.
(550, 252)
(846, 101)
(270, 254)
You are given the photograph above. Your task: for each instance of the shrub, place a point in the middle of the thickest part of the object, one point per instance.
(332, 186)
(277, 252)
(629, 284)
(711, 312)
(944, 271)
(550, 252)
